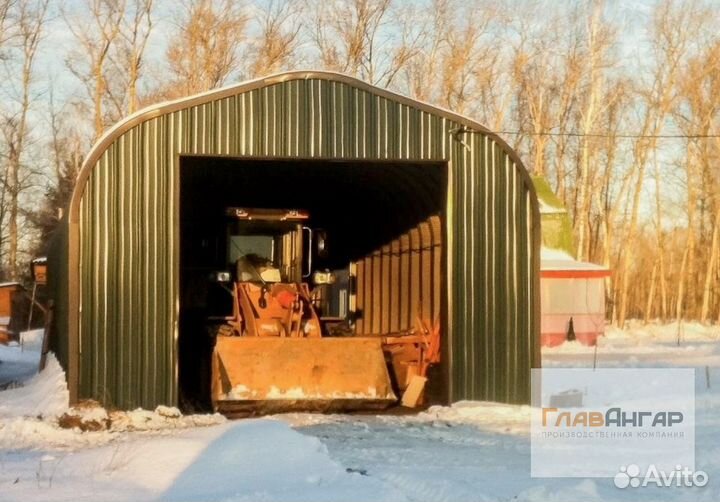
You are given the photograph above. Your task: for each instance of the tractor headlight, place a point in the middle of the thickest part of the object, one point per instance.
(325, 277)
(221, 277)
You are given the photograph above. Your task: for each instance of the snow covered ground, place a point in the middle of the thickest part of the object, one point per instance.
(470, 451)
(20, 362)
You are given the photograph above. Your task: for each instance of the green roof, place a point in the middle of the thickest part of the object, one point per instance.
(545, 193)
(557, 229)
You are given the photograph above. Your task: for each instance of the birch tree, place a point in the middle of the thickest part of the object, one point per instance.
(674, 24)
(600, 40)
(276, 45)
(96, 29)
(363, 38)
(29, 18)
(129, 57)
(204, 50)
(699, 115)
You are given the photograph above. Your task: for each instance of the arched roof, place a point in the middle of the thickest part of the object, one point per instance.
(156, 110)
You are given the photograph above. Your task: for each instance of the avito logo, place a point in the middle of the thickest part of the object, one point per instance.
(680, 477)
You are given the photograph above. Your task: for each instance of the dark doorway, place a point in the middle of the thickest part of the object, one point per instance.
(360, 205)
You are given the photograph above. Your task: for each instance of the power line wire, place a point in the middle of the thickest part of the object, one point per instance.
(622, 136)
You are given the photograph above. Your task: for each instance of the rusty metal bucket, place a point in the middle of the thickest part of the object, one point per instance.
(260, 375)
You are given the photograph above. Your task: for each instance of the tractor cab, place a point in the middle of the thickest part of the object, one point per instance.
(266, 245)
(265, 277)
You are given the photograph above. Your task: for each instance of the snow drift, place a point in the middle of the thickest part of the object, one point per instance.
(44, 395)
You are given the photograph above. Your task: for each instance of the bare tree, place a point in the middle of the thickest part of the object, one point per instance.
(673, 28)
(66, 148)
(533, 80)
(453, 59)
(96, 39)
(345, 34)
(698, 115)
(203, 52)
(275, 46)
(467, 49)
(570, 73)
(420, 72)
(129, 56)
(5, 34)
(600, 40)
(350, 37)
(615, 182)
(30, 16)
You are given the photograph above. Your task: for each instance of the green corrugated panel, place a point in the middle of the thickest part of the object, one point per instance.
(58, 289)
(128, 230)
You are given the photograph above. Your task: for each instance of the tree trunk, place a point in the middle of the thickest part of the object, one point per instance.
(627, 252)
(681, 286)
(13, 168)
(97, 101)
(663, 287)
(651, 294)
(710, 271)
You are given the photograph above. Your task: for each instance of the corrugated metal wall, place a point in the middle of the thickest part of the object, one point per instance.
(125, 211)
(58, 285)
(402, 281)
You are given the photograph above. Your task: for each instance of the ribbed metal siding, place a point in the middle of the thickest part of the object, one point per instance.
(401, 281)
(58, 291)
(128, 231)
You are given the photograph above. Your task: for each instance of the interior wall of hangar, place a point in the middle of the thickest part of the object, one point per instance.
(114, 263)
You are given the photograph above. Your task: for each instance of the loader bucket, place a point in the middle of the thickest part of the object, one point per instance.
(261, 375)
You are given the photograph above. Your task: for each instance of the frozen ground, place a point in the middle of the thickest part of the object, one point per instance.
(18, 363)
(471, 451)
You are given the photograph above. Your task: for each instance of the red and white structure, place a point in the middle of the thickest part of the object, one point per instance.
(571, 291)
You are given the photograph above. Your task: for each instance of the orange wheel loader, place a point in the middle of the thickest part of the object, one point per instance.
(272, 353)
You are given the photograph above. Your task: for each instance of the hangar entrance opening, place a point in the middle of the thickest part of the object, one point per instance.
(365, 236)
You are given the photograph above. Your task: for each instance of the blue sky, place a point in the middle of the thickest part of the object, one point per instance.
(632, 15)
